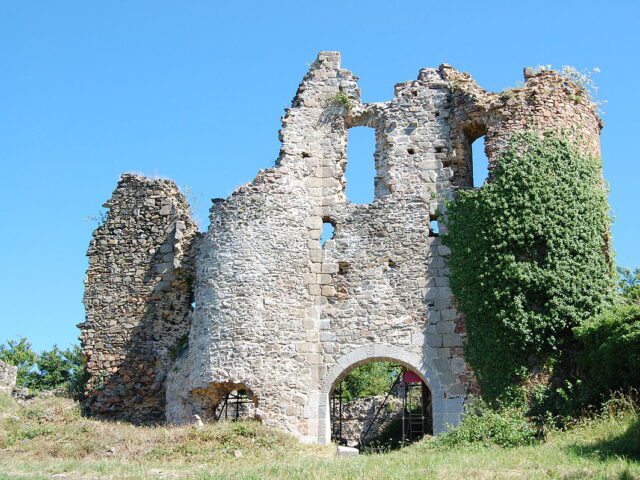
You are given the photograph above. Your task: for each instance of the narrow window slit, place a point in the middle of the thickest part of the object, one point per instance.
(361, 170)
(434, 229)
(328, 231)
(479, 162)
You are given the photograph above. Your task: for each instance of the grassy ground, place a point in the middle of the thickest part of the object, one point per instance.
(49, 439)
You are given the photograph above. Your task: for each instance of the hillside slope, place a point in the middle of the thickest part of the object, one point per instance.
(48, 438)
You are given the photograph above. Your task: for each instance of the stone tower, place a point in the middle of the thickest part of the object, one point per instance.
(277, 313)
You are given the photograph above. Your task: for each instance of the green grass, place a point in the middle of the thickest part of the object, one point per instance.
(50, 437)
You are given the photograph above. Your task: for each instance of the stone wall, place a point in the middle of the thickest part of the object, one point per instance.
(358, 414)
(8, 375)
(277, 311)
(138, 294)
(279, 314)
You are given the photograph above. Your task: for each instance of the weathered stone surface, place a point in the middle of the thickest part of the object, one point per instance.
(279, 315)
(343, 451)
(8, 374)
(138, 293)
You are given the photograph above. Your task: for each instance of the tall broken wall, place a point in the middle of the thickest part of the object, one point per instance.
(284, 317)
(277, 313)
(138, 294)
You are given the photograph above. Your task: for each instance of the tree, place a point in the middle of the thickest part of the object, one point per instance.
(610, 357)
(629, 284)
(51, 369)
(58, 368)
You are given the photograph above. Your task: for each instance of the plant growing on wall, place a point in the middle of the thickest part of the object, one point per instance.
(342, 100)
(530, 258)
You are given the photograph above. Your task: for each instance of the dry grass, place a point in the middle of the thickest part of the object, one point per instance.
(48, 438)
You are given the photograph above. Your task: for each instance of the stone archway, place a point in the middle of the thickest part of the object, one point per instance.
(379, 352)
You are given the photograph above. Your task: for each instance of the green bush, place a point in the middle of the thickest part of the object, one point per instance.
(610, 359)
(530, 258)
(483, 425)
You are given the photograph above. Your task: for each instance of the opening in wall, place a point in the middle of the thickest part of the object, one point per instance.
(328, 231)
(361, 170)
(434, 229)
(379, 406)
(480, 162)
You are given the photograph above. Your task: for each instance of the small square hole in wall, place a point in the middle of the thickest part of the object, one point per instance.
(411, 151)
(434, 229)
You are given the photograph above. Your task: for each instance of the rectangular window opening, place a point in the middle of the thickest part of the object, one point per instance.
(479, 162)
(434, 229)
(361, 170)
(328, 231)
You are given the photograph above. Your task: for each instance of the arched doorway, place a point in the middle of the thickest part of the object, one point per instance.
(419, 366)
(380, 406)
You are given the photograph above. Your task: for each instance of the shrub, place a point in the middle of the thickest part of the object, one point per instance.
(483, 425)
(530, 258)
(610, 359)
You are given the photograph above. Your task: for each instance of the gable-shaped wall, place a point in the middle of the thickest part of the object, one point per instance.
(284, 317)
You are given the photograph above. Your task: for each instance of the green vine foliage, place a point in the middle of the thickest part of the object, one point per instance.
(530, 258)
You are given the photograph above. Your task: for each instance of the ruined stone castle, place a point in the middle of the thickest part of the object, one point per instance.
(176, 319)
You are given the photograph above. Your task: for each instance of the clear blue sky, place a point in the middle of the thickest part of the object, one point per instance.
(194, 90)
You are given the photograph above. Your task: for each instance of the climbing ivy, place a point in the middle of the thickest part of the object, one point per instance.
(530, 258)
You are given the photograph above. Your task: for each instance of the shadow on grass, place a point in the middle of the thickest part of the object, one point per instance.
(627, 445)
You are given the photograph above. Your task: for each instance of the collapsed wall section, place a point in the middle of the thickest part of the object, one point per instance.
(547, 102)
(138, 294)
